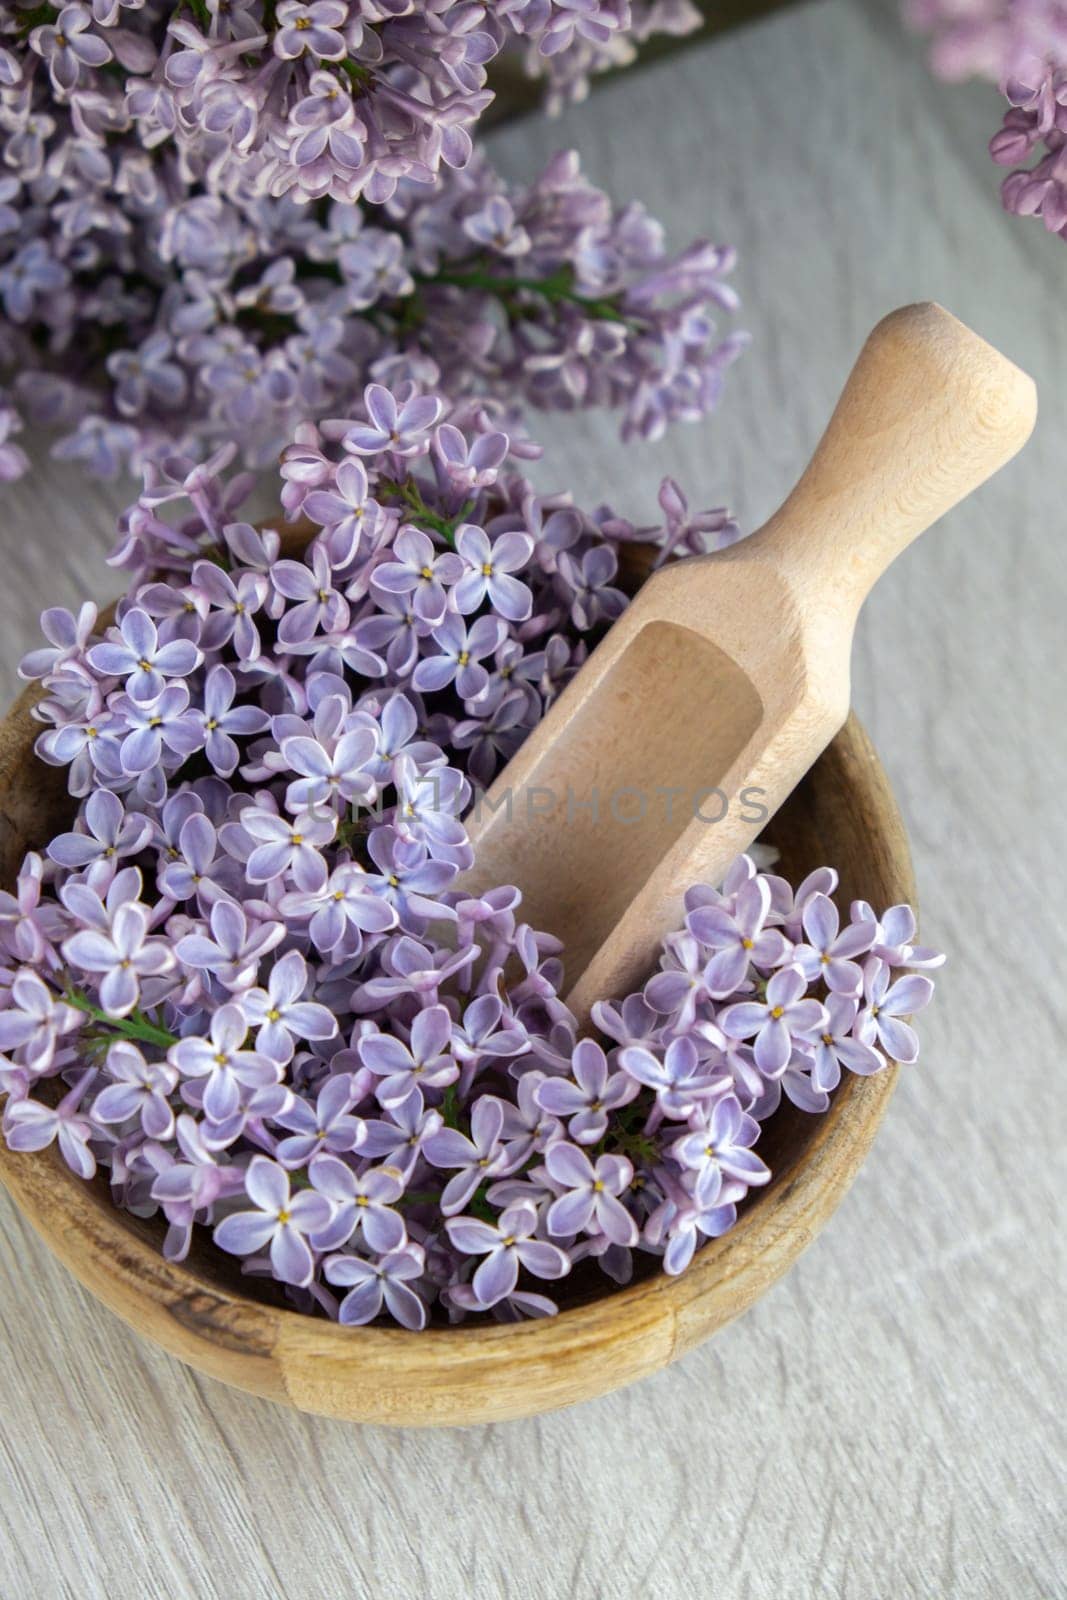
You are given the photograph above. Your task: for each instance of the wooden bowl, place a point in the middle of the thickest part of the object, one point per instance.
(234, 1328)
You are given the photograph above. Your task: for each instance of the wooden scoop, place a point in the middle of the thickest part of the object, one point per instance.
(729, 674)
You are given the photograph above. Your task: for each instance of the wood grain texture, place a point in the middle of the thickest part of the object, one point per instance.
(888, 1419)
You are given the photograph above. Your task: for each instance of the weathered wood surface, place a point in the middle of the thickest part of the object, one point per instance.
(888, 1420)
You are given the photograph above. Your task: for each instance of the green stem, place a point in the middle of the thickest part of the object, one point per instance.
(410, 495)
(558, 286)
(135, 1026)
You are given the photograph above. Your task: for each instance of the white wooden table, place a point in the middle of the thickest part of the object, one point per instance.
(887, 1421)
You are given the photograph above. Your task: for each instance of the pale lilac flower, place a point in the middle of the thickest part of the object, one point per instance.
(141, 1089)
(320, 607)
(120, 956)
(590, 588)
(288, 846)
(281, 1013)
(829, 954)
(400, 1136)
(683, 985)
(685, 1220)
(683, 1083)
(425, 1063)
(400, 430)
(110, 833)
(776, 1022)
(589, 1095)
(362, 1203)
(68, 46)
(696, 534)
(315, 28)
(881, 1018)
(188, 1188)
(895, 930)
(34, 1021)
(342, 910)
(68, 639)
(721, 1149)
(470, 467)
(347, 510)
(235, 948)
(221, 1062)
(506, 1246)
(458, 657)
(470, 1160)
(739, 938)
(280, 1219)
(329, 775)
(234, 604)
(590, 1202)
(490, 566)
(195, 867)
(31, 1125)
(835, 1045)
(411, 968)
(220, 721)
(139, 657)
(326, 1124)
(165, 722)
(32, 273)
(372, 1284)
(421, 571)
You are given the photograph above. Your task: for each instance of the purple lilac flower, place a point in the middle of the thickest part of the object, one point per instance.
(141, 1089)
(30, 1125)
(222, 1063)
(836, 1046)
(424, 1063)
(234, 950)
(489, 572)
(398, 429)
(589, 1095)
(590, 1198)
(234, 606)
(506, 1246)
(374, 1284)
(776, 1021)
(281, 1013)
(738, 938)
(325, 1125)
(138, 656)
(681, 1080)
(722, 1149)
(829, 953)
(887, 1004)
(472, 1160)
(279, 1218)
(120, 956)
(362, 1205)
(421, 572)
(34, 1021)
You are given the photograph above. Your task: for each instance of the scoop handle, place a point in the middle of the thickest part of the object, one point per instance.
(929, 412)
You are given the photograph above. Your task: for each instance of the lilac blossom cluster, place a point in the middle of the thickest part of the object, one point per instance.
(248, 981)
(1022, 46)
(218, 221)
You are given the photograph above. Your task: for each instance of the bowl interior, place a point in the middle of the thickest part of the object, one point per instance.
(842, 814)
